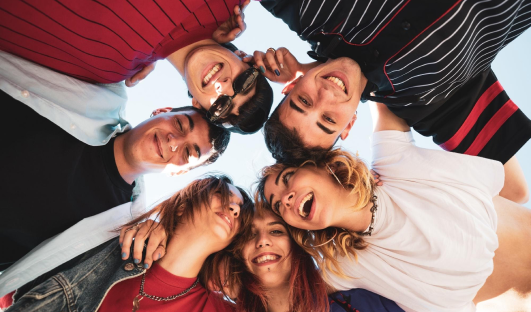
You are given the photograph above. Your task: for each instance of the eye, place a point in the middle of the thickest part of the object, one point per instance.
(328, 119)
(304, 101)
(277, 232)
(286, 177)
(187, 151)
(179, 124)
(276, 207)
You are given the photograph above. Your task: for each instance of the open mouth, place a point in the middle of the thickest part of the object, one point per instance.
(213, 71)
(158, 146)
(266, 258)
(305, 207)
(338, 81)
(227, 219)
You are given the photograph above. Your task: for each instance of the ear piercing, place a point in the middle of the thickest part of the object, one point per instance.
(173, 148)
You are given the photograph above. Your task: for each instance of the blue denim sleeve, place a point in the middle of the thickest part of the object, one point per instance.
(360, 300)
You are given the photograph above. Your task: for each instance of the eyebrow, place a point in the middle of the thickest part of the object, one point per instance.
(295, 107)
(190, 122)
(276, 183)
(325, 129)
(275, 223)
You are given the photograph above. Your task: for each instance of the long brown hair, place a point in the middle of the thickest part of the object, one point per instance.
(325, 245)
(180, 208)
(307, 289)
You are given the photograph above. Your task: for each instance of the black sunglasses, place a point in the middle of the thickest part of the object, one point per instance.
(223, 104)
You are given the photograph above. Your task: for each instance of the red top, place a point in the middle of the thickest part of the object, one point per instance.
(162, 283)
(106, 40)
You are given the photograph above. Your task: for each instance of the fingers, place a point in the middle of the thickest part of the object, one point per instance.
(140, 240)
(126, 239)
(376, 177)
(270, 55)
(140, 75)
(262, 63)
(245, 4)
(156, 247)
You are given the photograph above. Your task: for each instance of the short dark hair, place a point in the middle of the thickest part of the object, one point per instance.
(219, 137)
(286, 144)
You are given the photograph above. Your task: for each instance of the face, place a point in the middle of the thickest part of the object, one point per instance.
(322, 104)
(267, 253)
(209, 73)
(219, 222)
(169, 142)
(306, 198)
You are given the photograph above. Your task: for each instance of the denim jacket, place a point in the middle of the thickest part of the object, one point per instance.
(83, 287)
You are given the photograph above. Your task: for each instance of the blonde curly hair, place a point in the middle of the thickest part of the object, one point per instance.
(325, 245)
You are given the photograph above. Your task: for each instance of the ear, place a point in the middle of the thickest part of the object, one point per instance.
(196, 104)
(290, 85)
(344, 133)
(162, 110)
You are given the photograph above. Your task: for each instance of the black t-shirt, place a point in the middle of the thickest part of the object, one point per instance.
(50, 180)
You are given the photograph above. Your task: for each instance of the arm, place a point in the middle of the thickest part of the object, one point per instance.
(383, 119)
(515, 187)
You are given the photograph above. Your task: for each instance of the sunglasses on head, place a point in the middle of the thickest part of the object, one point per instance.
(222, 105)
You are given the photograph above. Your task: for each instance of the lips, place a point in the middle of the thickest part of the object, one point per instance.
(266, 258)
(158, 146)
(225, 218)
(338, 79)
(211, 73)
(306, 206)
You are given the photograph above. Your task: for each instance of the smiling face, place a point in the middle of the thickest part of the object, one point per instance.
(267, 253)
(221, 223)
(307, 197)
(209, 73)
(322, 104)
(169, 142)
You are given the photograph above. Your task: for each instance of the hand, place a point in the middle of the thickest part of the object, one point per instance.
(232, 27)
(279, 66)
(376, 177)
(156, 247)
(140, 75)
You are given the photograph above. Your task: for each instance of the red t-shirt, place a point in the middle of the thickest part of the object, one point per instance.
(7, 300)
(106, 40)
(162, 283)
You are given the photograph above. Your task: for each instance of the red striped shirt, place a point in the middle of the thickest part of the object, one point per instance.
(106, 40)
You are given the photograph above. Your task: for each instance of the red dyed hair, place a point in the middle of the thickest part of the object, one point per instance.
(308, 290)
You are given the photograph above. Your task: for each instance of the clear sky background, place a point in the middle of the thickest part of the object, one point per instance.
(246, 155)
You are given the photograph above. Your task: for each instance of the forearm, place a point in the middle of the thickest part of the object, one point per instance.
(383, 119)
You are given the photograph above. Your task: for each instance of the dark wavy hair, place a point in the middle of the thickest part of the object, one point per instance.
(308, 290)
(219, 137)
(180, 208)
(286, 145)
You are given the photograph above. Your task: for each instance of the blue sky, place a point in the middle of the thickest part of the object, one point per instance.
(246, 155)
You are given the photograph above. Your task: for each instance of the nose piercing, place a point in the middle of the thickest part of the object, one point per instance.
(173, 148)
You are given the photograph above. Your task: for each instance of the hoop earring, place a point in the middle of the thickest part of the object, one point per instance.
(322, 244)
(337, 179)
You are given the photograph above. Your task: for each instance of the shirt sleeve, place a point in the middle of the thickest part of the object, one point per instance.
(395, 158)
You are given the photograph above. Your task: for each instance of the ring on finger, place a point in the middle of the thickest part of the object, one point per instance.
(134, 227)
(272, 50)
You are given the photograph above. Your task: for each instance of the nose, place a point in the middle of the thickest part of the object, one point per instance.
(325, 94)
(235, 210)
(224, 86)
(263, 240)
(174, 143)
(287, 199)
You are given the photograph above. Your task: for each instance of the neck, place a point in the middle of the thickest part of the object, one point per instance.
(127, 171)
(178, 58)
(278, 299)
(354, 220)
(186, 253)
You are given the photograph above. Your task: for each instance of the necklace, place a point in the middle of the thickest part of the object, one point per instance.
(373, 211)
(142, 294)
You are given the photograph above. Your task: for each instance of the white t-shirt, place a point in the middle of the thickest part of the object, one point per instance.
(434, 235)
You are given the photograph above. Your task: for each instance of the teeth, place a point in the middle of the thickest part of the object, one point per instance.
(301, 206)
(228, 220)
(266, 258)
(211, 73)
(338, 82)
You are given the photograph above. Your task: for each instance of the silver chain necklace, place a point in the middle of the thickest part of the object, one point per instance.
(373, 211)
(142, 294)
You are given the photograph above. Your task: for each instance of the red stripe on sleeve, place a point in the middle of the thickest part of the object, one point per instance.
(506, 111)
(472, 118)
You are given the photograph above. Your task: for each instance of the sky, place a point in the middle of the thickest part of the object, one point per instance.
(246, 155)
